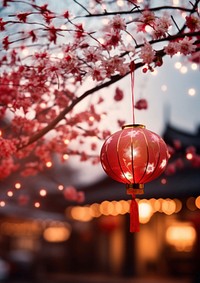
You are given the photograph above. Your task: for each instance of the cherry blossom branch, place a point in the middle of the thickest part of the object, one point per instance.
(114, 79)
(62, 114)
(82, 6)
(183, 9)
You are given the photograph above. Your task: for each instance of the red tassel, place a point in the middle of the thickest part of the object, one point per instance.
(134, 215)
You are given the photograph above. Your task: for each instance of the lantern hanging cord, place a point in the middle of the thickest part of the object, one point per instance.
(132, 67)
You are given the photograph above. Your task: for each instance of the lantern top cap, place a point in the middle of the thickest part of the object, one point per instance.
(133, 126)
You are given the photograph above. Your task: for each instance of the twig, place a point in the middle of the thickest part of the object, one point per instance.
(83, 7)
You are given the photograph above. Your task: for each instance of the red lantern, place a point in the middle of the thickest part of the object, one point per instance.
(134, 156)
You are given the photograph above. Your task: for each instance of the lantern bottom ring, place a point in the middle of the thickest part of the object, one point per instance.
(137, 189)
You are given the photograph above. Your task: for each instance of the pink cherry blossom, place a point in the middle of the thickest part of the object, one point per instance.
(172, 48)
(118, 23)
(186, 46)
(193, 22)
(112, 39)
(147, 53)
(93, 54)
(7, 148)
(147, 17)
(48, 58)
(97, 73)
(161, 27)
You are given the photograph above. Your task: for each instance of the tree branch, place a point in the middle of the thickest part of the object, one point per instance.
(113, 79)
(140, 11)
(65, 111)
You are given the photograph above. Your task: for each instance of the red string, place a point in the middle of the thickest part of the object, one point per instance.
(132, 67)
(134, 215)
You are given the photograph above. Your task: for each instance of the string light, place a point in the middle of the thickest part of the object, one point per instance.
(43, 192)
(37, 204)
(194, 66)
(91, 118)
(178, 65)
(17, 186)
(120, 3)
(49, 164)
(175, 2)
(197, 202)
(66, 141)
(190, 203)
(145, 211)
(191, 91)
(60, 187)
(114, 208)
(65, 156)
(183, 70)
(163, 181)
(168, 206)
(178, 205)
(189, 156)
(10, 193)
(2, 203)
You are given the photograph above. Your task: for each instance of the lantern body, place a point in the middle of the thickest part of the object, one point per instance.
(134, 155)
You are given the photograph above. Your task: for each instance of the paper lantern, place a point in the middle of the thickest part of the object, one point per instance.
(134, 156)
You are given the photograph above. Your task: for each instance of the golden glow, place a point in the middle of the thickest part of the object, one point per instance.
(181, 235)
(190, 203)
(106, 207)
(94, 210)
(20, 228)
(117, 208)
(197, 202)
(178, 205)
(125, 206)
(168, 206)
(114, 208)
(145, 211)
(81, 213)
(57, 234)
(158, 205)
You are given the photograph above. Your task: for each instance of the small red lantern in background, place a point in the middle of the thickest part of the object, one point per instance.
(134, 156)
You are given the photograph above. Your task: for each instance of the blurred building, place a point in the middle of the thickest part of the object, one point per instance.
(93, 238)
